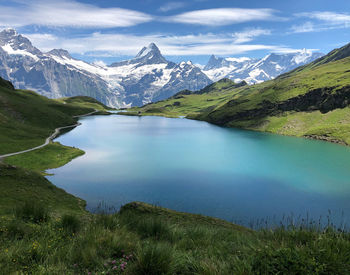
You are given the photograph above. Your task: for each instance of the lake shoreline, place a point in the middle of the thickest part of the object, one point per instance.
(94, 242)
(247, 135)
(324, 138)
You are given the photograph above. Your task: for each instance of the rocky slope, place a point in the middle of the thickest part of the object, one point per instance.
(150, 77)
(29, 68)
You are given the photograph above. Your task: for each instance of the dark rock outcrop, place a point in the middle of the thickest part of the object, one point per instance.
(323, 99)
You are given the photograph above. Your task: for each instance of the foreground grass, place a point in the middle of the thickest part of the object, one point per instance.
(142, 239)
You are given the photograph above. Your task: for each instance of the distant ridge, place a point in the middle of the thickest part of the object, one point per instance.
(256, 70)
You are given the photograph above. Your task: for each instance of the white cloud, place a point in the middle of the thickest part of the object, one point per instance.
(171, 6)
(327, 16)
(306, 27)
(323, 21)
(249, 35)
(223, 16)
(68, 13)
(71, 13)
(110, 45)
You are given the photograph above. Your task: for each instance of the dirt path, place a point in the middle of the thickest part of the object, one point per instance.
(50, 138)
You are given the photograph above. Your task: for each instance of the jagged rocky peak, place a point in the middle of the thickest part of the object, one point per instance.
(147, 56)
(187, 67)
(213, 59)
(213, 62)
(146, 50)
(8, 32)
(150, 55)
(60, 53)
(11, 41)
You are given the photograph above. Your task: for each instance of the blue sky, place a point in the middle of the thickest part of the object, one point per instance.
(113, 30)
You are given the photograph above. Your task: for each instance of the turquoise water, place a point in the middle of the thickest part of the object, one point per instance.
(196, 167)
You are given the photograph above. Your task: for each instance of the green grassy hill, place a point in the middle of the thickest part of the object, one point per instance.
(310, 101)
(85, 102)
(27, 119)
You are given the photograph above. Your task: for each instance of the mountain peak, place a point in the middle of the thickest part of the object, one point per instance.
(150, 55)
(9, 32)
(12, 42)
(60, 53)
(216, 62)
(151, 48)
(8, 35)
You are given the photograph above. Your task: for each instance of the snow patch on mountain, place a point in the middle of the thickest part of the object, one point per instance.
(239, 59)
(302, 57)
(9, 50)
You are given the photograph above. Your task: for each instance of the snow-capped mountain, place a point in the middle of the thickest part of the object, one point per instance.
(149, 76)
(257, 70)
(145, 78)
(29, 68)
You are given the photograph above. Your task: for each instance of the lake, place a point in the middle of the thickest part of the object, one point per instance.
(196, 167)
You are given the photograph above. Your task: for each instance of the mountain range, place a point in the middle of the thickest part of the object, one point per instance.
(312, 101)
(146, 78)
(255, 71)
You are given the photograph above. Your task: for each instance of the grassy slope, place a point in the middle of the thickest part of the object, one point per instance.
(85, 102)
(26, 120)
(154, 240)
(333, 124)
(51, 156)
(183, 104)
(19, 185)
(219, 104)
